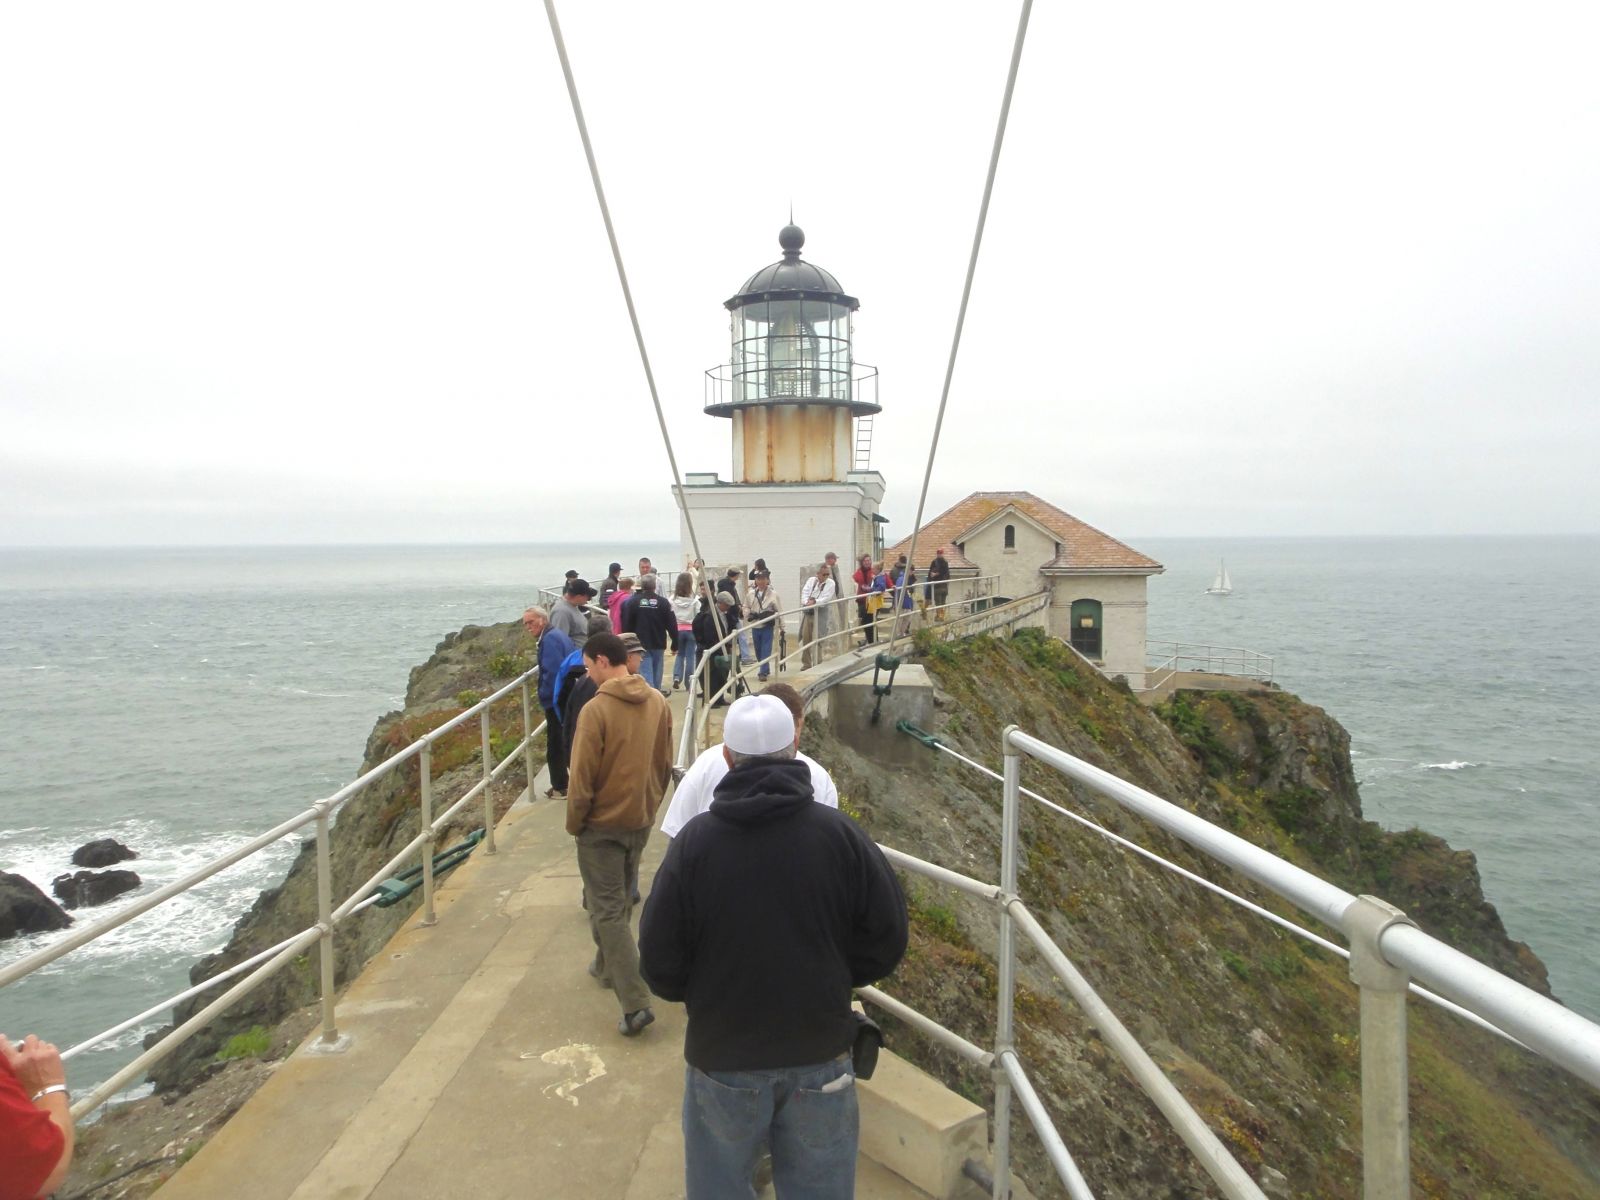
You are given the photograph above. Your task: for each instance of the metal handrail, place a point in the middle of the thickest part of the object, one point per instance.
(1212, 1154)
(1221, 660)
(1386, 950)
(1215, 889)
(268, 962)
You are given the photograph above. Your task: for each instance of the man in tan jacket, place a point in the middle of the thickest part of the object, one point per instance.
(621, 762)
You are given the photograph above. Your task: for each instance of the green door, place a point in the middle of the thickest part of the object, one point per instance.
(1086, 618)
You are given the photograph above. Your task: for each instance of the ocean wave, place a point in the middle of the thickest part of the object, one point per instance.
(191, 924)
(1453, 765)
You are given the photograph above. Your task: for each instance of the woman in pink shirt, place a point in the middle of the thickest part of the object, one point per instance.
(614, 602)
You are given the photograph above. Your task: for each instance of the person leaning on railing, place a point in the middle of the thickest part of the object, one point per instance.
(36, 1134)
(863, 577)
(816, 598)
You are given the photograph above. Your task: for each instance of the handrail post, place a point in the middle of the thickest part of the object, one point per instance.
(330, 1030)
(425, 775)
(1007, 960)
(527, 736)
(1385, 1102)
(488, 783)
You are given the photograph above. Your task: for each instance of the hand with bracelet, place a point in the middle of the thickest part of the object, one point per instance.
(36, 1134)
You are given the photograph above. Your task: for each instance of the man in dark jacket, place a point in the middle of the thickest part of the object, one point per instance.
(709, 629)
(554, 647)
(767, 911)
(651, 617)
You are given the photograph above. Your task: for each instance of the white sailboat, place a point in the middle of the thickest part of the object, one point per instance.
(1221, 585)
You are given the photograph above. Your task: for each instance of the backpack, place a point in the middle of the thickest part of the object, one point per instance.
(569, 672)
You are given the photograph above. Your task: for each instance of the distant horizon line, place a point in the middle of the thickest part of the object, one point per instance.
(354, 545)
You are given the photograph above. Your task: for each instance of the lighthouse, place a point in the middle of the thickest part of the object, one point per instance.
(800, 409)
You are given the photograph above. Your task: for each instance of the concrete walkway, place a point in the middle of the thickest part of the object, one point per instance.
(484, 1061)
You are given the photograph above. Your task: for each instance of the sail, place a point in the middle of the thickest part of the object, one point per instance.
(1221, 585)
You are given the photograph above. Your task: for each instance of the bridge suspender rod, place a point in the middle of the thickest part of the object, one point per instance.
(966, 294)
(627, 292)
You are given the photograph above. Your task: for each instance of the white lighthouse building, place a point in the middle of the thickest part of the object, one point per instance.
(801, 412)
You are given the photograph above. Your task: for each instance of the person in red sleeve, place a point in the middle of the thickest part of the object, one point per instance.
(35, 1120)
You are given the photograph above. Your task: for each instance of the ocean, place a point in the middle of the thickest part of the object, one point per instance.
(181, 700)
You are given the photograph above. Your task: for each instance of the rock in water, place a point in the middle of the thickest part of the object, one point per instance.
(85, 888)
(25, 909)
(101, 853)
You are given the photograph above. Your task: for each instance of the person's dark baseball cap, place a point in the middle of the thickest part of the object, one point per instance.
(614, 568)
(632, 644)
(578, 587)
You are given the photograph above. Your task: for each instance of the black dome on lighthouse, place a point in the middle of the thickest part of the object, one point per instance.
(792, 278)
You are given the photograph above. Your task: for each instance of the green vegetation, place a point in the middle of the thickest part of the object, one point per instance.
(1235, 962)
(507, 665)
(252, 1043)
(1197, 735)
(467, 698)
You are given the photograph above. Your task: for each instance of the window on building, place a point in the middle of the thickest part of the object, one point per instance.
(1011, 537)
(1086, 624)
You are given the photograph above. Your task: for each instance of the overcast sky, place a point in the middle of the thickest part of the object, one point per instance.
(334, 271)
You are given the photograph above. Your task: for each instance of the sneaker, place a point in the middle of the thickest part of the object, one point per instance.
(555, 793)
(632, 1024)
(595, 972)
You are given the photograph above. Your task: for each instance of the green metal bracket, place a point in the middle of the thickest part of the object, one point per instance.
(922, 735)
(397, 887)
(884, 662)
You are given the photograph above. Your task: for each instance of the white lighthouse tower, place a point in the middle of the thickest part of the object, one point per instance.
(801, 410)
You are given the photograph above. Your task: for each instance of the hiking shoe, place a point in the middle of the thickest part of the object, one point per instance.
(633, 1023)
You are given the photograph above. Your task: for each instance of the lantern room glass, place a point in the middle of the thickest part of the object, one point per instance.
(791, 349)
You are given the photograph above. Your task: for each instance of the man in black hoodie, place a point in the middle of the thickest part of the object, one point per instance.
(768, 910)
(650, 617)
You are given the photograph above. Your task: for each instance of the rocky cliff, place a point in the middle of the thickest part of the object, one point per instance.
(1257, 1027)
(369, 829)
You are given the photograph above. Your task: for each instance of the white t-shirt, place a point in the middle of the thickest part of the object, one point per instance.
(695, 790)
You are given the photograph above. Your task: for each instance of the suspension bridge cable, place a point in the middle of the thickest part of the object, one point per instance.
(966, 294)
(627, 292)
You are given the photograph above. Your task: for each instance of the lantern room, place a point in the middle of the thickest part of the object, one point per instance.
(791, 386)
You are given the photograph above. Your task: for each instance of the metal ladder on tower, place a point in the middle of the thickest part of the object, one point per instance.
(863, 443)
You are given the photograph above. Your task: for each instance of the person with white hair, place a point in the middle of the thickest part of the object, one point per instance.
(767, 912)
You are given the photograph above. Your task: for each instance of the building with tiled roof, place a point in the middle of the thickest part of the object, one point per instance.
(1096, 583)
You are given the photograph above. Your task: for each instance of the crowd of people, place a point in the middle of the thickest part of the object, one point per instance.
(686, 613)
(770, 906)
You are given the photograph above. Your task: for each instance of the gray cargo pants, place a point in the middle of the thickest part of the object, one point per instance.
(608, 860)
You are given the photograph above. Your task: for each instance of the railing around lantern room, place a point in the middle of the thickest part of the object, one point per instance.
(730, 386)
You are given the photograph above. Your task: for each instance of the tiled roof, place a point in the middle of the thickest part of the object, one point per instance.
(1083, 547)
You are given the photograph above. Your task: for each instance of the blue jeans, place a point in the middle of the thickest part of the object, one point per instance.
(650, 667)
(763, 637)
(813, 1132)
(683, 664)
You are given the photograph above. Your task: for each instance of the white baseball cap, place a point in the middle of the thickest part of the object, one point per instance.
(758, 725)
